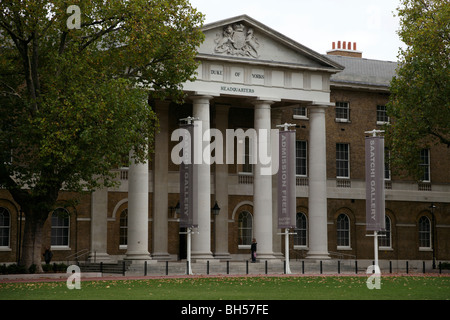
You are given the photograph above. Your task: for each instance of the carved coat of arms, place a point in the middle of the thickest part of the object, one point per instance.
(237, 40)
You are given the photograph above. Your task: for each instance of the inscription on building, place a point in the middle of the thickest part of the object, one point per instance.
(236, 89)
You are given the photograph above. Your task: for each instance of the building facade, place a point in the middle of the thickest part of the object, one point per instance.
(252, 77)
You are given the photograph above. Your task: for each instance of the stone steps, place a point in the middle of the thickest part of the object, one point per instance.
(242, 267)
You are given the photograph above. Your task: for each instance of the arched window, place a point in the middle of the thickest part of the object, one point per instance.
(301, 230)
(343, 231)
(60, 228)
(424, 232)
(385, 240)
(245, 228)
(5, 219)
(123, 229)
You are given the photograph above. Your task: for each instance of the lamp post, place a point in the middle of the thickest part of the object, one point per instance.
(174, 211)
(215, 211)
(432, 207)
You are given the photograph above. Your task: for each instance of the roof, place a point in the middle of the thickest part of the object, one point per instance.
(360, 72)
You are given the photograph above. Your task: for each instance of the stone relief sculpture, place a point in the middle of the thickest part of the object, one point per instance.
(237, 40)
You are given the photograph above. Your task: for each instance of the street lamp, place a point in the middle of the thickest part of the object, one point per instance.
(215, 211)
(175, 210)
(432, 207)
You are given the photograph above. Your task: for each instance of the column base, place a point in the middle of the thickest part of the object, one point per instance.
(197, 257)
(222, 256)
(138, 257)
(267, 256)
(99, 257)
(161, 256)
(318, 256)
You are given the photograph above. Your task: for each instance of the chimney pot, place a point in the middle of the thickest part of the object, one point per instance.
(334, 45)
(339, 44)
(354, 46)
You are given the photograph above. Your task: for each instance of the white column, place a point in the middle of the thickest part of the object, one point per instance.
(317, 201)
(99, 226)
(160, 184)
(276, 120)
(221, 191)
(137, 242)
(262, 185)
(201, 241)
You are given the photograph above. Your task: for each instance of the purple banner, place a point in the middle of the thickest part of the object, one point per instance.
(375, 201)
(187, 214)
(286, 180)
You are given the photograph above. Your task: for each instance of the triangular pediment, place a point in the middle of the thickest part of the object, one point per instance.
(244, 39)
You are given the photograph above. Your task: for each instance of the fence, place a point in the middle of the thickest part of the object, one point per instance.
(338, 267)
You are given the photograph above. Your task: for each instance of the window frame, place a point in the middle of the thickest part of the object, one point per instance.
(58, 228)
(339, 161)
(425, 161)
(242, 230)
(382, 117)
(305, 158)
(342, 111)
(425, 235)
(385, 242)
(345, 230)
(123, 228)
(5, 227)
(301, 232)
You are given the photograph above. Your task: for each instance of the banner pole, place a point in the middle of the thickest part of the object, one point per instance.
(286, 250)
(375, 245)
(286, 186)
(188, 258)
(373, 183)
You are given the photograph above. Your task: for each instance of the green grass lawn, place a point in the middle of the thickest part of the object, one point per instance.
(236, 288)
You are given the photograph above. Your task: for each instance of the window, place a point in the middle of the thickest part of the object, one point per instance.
(123, 229)
(385, 240)
(424, 232)
(300, 113)
(382, 116)
(387, 164)
(5, 219)
(245, 228)
(301, 230)
(343, 231)
(60, 228)
(342, 112)
(342, 160)
(425, 164)
(301, 158)
(247, 166)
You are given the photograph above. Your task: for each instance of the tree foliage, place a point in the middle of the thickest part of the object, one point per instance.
(419, 105)
(74, 102)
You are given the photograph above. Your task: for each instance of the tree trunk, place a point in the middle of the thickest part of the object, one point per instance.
(32, 242)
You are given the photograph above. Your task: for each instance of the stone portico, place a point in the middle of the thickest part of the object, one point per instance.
(243, 64)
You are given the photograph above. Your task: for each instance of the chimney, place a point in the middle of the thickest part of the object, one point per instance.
(344, 50)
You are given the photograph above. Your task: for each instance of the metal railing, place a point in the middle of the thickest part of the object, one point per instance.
(341, 255)
(77, 255)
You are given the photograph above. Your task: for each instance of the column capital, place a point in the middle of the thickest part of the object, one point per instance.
(201, 98)
(262, 103)
(320, 105)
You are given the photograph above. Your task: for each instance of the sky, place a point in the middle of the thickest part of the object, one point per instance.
(317, 23)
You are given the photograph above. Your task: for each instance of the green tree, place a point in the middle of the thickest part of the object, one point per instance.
(419, 104)
(75, 101)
